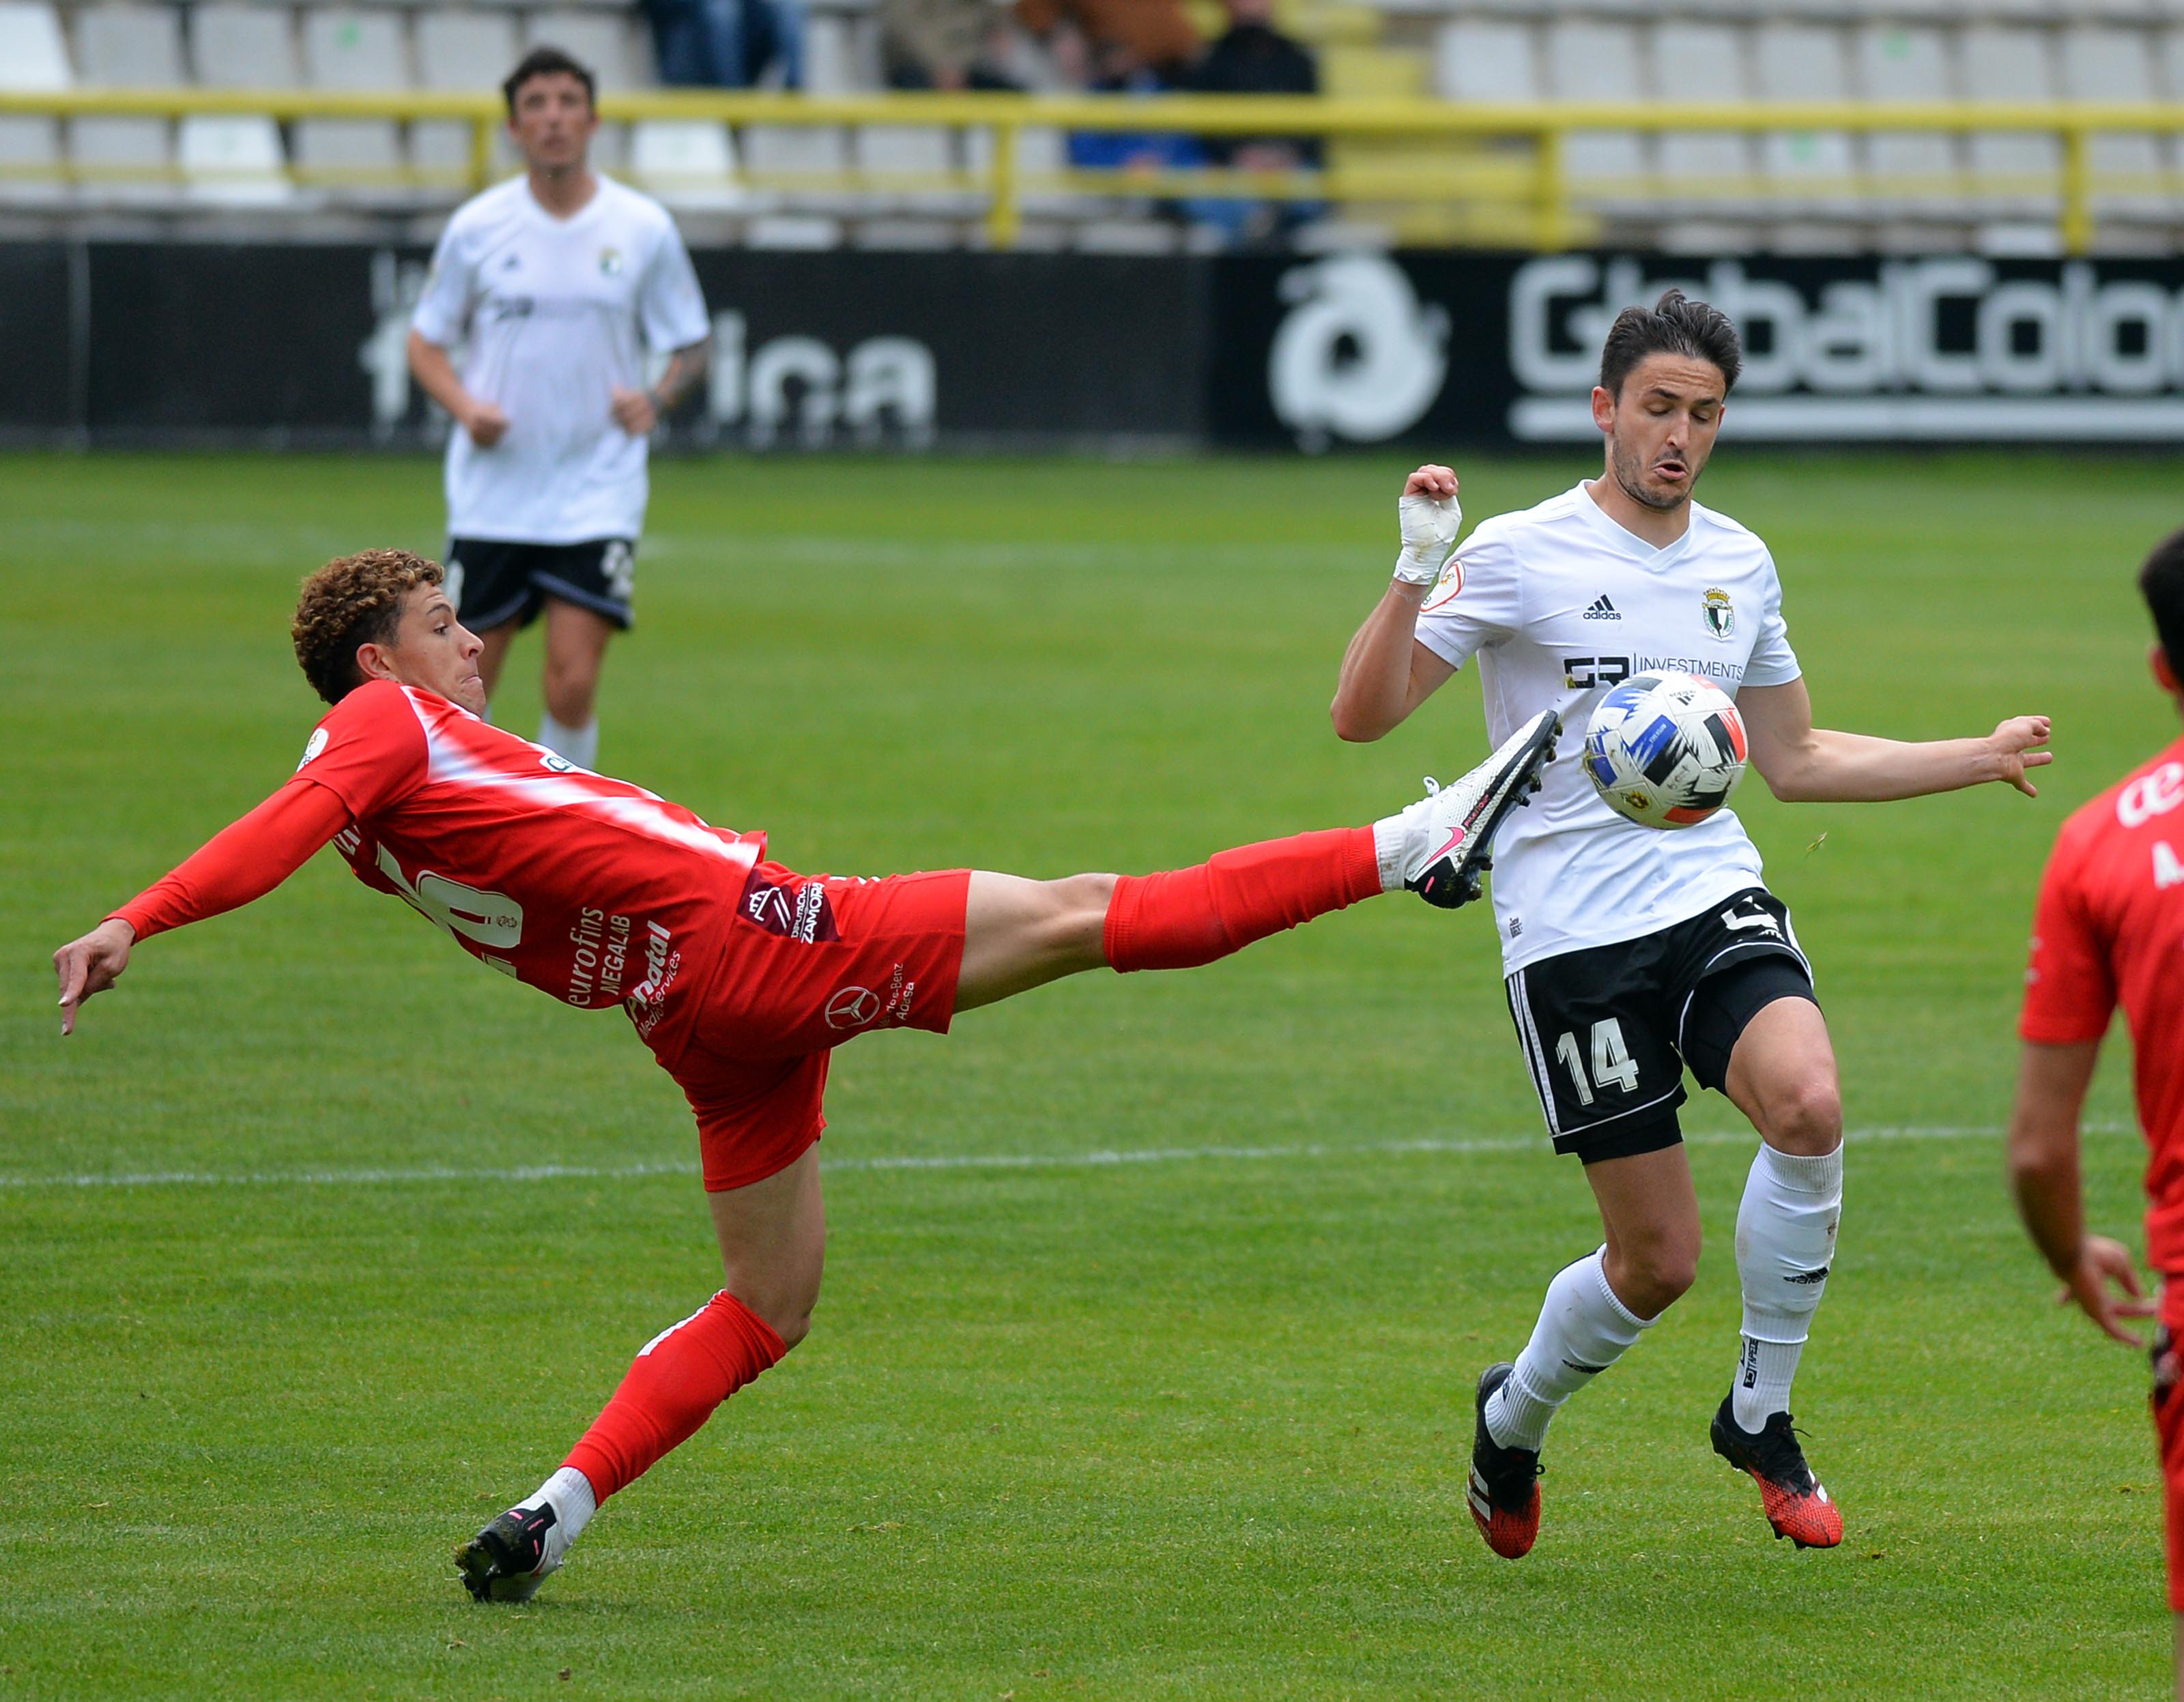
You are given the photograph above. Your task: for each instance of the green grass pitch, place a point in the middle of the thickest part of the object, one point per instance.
(1194, 1425)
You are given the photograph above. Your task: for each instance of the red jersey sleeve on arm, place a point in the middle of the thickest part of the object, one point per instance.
(2070, 989)
(241, 862)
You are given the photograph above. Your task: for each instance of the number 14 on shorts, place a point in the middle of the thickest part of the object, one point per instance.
(1612, 1065)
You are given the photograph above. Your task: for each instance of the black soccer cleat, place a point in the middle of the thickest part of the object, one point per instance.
(1504, 1491)
(1793, 1499)
(1448, 833)
(510, 1558)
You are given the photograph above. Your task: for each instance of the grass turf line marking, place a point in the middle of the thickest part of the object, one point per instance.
(954, 1161)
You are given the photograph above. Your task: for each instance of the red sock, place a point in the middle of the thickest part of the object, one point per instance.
(676, 1380)
(1192, 917)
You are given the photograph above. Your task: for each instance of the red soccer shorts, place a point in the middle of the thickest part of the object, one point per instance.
(2168, 1427)
(808, 964)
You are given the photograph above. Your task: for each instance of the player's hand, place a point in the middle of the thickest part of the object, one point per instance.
(2102, 1263)
(1431, 517)
(2012, 745)
(633, 411)
(485, 422)
(92, 964)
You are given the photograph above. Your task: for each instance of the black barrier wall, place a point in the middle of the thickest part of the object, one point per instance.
(181, 343)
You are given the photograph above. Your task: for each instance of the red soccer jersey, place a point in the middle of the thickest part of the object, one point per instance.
(591, 889)
(2109, 930)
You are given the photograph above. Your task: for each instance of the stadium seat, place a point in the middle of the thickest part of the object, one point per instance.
(127, 160)
(33, 58)
(841, 55)
(1486, 59)
(356, 158)
(1597, 60)
(812, 158)
(2009, 62)
(243, 47)
(469, 52)
(1916, 170)
(687, 163)
(1806, 62)
(2104, 63)
(233, 160)
(1697, 63)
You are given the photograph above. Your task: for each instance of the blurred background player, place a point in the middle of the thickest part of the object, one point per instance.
(558, 280)
(2109, 931)
(1629, 952)
(740, 975)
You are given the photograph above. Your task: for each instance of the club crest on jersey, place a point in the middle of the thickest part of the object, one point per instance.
(610, 262)
(1449, 582)
(1719, 612)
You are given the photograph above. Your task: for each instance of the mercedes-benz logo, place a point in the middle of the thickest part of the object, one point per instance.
(853, 1007)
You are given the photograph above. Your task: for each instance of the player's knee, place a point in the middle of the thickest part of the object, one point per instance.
(1656, 1272)
(1080, 903)
(1806, 1119)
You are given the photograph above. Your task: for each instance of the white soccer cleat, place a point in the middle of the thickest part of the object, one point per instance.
(1444, 842)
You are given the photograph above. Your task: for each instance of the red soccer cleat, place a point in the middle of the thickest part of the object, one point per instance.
(1793, 1499)
(1504, 1491)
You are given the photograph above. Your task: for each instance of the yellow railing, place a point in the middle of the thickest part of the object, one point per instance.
(1500, 171)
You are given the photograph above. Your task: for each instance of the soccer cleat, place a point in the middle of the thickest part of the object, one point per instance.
(1504, 1491)
(1795, 1504)
(510, 1558)
(1448, 842)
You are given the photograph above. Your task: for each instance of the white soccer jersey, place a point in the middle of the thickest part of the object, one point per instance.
(1559, 603)
(558, 313)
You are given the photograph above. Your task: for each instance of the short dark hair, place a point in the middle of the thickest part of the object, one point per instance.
(2161, 583)
(1675, 325)
(547, 62)
(354, 600)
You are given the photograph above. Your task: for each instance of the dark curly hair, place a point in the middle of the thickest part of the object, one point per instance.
(2161, 583)
(1675, 325)
(354, 600)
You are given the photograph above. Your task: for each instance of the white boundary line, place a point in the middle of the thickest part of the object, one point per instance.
(952, 1161)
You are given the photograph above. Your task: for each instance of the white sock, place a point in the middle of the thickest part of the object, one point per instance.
(579, 745)
(1785, 1241)
(1388, 835)
(568, 1492)
(1583, 1330)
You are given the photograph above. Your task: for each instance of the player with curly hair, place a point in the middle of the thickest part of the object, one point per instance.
(740, 975)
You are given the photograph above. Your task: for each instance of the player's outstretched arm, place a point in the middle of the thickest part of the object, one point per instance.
(1803, 763)
(2097, 1274)
(243, 861)
(1386, 673)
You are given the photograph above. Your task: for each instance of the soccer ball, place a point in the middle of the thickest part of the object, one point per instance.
(1665, 749)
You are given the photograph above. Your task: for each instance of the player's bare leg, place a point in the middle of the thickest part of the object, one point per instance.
(1782, 1075)
(1594, 1309)
(576, 646)
(772, 1235)
(495, 640)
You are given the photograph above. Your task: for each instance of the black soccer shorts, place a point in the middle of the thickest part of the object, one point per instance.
(1607, 1030)
(494, 581)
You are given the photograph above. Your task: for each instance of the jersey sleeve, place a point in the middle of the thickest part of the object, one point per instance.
(2070, 988)
(1772, 663)
(671, 307)
(240, 864)
(369, 750)
(1478, 602)
(443, 313)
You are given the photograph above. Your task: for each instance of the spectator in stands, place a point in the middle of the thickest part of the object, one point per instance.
(1130, 39)
(1253, 57)
(727, 44)
(944, 44)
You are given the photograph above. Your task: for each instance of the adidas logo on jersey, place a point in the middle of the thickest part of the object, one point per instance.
(1602, 610)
